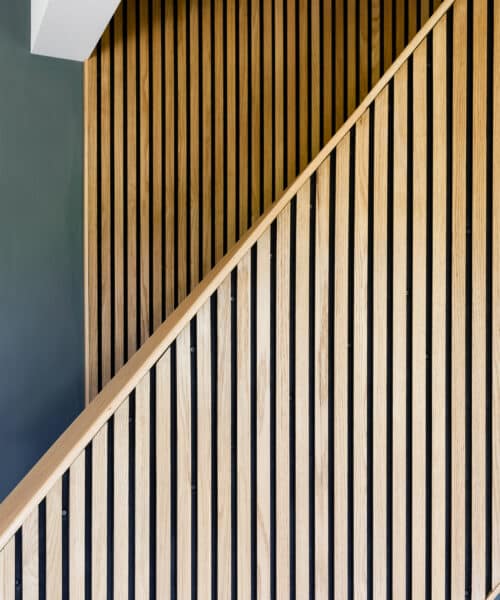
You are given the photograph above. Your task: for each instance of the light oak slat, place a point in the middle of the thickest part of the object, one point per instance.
(389, 25)
(255, 109)
(62, 454)
(380, 320)
(495, 358)
(118, 182)
(8, 570)
(316, 77)
(302, 337)
(30, 556)
(121, 504)
(219, 110)
(243, 428)
(157, 161)
(90, 225)
(376, 33)
(351, 60)
(99, 513)
(143, 160)
(163, 476)
(400, 25)
(321, 378)
(181, 198)
(419, 329)
(424, 11)
(169, 164)
(327, 20)
(204, 446)
(281, 58)
(224, 438)
(231, 62)
(458, 300)
(399, 478)
(184, 475)
(364, 50)
(105, 198)
(207, 136)
(195, 150)
(340, 368)
(360, 399)
(77, 528)
(263, 416)
(439, 199)
(243, 84)
(340, 75)
(53, 526)
(479, 150)
(142, 490)
(292, 108)
(304, 99)
(267, 108)
(132, 191)
(412, 19)
(283, 404)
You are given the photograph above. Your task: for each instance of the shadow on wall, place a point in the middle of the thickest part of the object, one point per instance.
(41, 271)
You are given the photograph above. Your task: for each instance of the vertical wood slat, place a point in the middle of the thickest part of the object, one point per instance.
(360, 357)
(243, 427)
(303, 104)
(204, 447)
(77, 529)
(263, 416)
(399, 474)
(121, 500)
(302, 340)
(163, 481)
(340, 368)
(224, 438)
(181, 146)
(184, 474)
(231, 141)
(30, 556)
(283, 404)
(380, 323)
(321, 398)
(267, 78)
(53, 525)
(8, 570)
(99, 513)
(439, 319)
(142, 489)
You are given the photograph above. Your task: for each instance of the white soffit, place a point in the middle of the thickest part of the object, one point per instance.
(69, 28)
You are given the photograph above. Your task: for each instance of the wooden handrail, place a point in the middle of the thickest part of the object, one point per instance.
(37, 483)
(494, 594)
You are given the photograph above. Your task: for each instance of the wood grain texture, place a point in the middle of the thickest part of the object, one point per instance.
(77, 528)
(99, 514)
(121, 500)
(8, 570)
(30, 557)
(54, 542)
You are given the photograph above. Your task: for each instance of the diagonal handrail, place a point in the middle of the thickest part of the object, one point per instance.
(37, 483)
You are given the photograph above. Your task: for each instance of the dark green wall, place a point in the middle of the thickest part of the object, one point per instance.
(41, 253)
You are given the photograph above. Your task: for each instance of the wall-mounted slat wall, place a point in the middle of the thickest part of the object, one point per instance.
(198, 115)
(325, 423)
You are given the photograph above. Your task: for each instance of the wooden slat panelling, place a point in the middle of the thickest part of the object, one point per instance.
(177, 140)
(8, 570)
(99, 513)
(30, 556)
(77, 528)
(121, 500)
(53, 538)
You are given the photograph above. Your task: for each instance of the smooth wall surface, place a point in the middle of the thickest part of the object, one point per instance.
(41, 277)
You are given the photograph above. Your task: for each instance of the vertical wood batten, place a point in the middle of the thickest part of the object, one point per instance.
(181, 200)
(163, 475)
(243, 427)
(99, 513)
(8, 571)
(30, 557)
(360, 356)
(77, 529)
(54, 542)
(121, 504)
(224, 438)
(184, 475)
(302, 390)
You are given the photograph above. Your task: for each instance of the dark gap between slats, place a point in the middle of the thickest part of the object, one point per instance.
(138, 198)
(110, 509)
(173, 469)
(331, 374)
(152, 483)
(429, 321)
(449, 275)
(293, 285)
(409, 334)
(253, 422)
(272, 398)
(18, 550)
(99, 222)
(194, 458)
(152, 282)
(42, 550)
(163, 170)
(214, 476)
(65, 534)
(125, 182)
(407, 23)
(468, 300)
(131, 497)
(312, 376)
(489, 296)
(176, 199)
(187, 108)
(394, 29)
(390, 334)
(370, 43)
(419, 14)
(234, 432)
(112, 158)
(350, 369)
(358, 50)
(224, 128)
(369, 364)
(88, 522)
